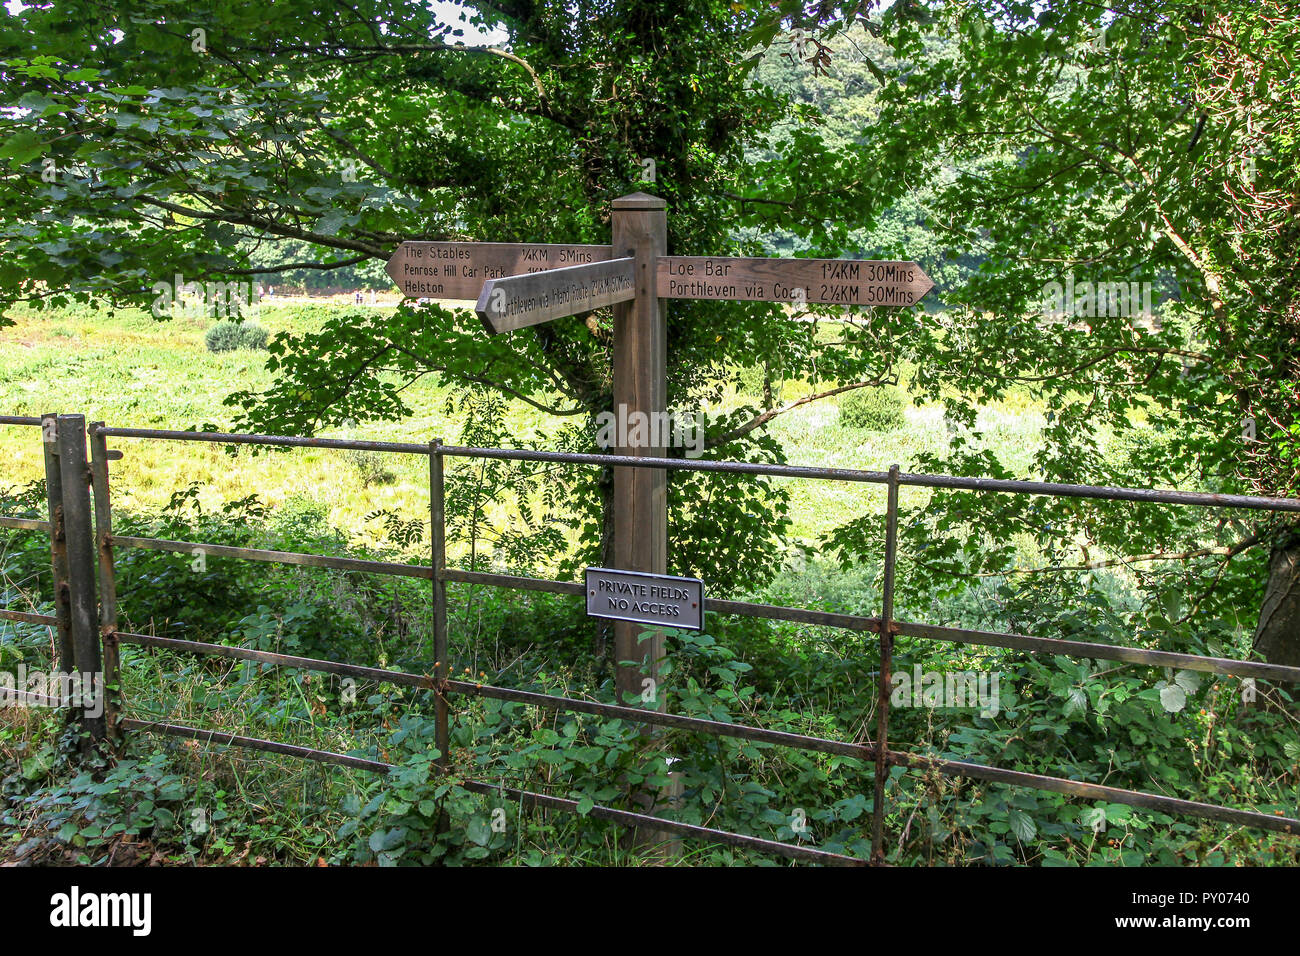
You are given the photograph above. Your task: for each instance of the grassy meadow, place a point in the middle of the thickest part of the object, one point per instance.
(127, 369)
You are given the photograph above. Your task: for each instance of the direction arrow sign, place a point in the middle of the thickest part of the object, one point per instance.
(516, 302)
(457, 270)
(838, 281)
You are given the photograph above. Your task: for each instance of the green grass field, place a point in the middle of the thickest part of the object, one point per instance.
(130, 370)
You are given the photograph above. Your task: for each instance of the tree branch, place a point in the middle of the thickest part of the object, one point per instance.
(771, 413)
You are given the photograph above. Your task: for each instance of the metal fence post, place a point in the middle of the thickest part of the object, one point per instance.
(99, 459)
(438, 544)
(58, 544)
(886, 666)
(80, 542)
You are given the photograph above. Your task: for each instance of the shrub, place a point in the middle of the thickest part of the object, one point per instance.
(877, 409)
(253, 337)
(373, 467)
(228, 336)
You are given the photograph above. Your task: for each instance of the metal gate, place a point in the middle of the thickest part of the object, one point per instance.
(81, 536)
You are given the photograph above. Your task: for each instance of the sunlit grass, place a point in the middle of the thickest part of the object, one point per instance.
(130, 370)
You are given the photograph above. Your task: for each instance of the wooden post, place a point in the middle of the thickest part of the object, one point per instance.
(639, 225)
(99, 459)
(80, 540)
(58, 545)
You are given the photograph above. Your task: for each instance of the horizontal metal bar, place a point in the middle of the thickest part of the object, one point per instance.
(1042, 645)
(457, 576)
(801, 615)
(1109, 652)
(18, 420)
(863, 750)
(1097, 492)
(630, 819)
(27, 618)
(282, 660)
(24, 524)
(699, 725)
(623, 817)
(31, 697)
(671, 464)
(227, 438)
(255, 743)
(279, 557)
(1103, 492)
(1094, 791)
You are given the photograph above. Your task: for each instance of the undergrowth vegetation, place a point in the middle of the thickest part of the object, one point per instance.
(167, 800)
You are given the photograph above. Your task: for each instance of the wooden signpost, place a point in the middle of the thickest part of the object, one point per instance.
(835, 281)
(515, 285)
(516, 302)
(457, 270)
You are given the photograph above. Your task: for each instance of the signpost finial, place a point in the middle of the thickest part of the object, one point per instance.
(639, 200)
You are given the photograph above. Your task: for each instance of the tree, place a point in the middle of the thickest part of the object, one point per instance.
(1138, 142)
(157, 138)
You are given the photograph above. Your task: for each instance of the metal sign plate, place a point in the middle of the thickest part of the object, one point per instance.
(656, 599)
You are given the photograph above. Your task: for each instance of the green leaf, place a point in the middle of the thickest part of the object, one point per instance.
(21, 148)
(1076, 702)
(1094, 818)
(383, 840)
(1172, 697)
(1022, 825)
(330, 223)
(1189, 681)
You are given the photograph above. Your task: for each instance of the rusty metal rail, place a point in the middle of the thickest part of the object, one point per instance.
(886, 627)
(1053, 489)
(865, 751)
(527, 797)
(24, 524)
(26, 617)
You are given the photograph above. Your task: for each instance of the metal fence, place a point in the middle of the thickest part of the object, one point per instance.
(77, 546)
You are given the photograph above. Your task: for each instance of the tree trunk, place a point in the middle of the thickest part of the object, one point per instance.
(1277, 637)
